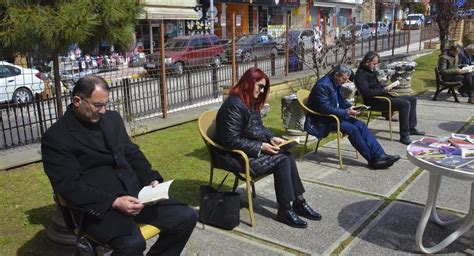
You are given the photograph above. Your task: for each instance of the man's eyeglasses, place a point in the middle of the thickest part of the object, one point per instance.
(97, 106)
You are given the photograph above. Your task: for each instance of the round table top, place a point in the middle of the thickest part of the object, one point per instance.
(439, 155)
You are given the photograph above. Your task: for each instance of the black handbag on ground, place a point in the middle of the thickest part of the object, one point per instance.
(219, 209)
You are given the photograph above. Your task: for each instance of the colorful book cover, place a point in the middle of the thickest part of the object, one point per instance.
(453, 161)
(460, 143)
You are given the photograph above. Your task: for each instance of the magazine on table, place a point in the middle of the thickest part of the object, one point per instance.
(467, 153)
(468, 167)
(461, 143)
(467, 137)
(150, 194)
(453, 161)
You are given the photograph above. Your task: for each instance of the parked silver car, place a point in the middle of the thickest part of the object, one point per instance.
(381, 27)
(307, 39)
(362, 31)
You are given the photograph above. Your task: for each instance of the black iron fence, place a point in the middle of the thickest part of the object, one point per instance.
(138, 93)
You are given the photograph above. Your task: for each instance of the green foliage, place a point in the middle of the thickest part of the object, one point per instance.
(51, 26)
(419, 8)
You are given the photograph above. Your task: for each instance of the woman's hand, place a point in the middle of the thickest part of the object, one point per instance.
(276, 141)
(269, 148)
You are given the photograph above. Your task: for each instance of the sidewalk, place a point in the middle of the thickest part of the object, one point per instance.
(365, 212)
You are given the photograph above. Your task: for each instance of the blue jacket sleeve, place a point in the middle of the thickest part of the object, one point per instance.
(325, 101)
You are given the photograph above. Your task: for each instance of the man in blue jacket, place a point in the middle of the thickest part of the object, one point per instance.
(326, 98)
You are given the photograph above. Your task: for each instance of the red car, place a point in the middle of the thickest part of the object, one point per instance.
(186, 52)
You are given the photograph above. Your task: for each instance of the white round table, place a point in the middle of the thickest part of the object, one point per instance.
(436, 173)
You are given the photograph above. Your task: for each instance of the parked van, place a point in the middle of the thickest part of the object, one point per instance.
(414, 21)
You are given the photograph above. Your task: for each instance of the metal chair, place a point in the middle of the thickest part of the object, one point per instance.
(207, 128)
(85, 244)
(302, 96)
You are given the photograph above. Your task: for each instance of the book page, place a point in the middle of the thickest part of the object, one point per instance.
(395, 84)
(150, 194)
(287, 145)
(361, 108)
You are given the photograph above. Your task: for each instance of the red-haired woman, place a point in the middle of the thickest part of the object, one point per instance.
(239, 126)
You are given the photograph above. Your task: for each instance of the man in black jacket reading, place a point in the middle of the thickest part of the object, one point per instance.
(368, 86)
(91, 162)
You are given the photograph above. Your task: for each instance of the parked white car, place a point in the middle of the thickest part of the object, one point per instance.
(414, 21)
(18, 84)
(382, 29)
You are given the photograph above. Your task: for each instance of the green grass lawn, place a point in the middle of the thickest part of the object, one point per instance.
(177, 152)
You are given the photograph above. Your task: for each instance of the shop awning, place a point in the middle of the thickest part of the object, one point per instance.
(333, 4)
(170, 13)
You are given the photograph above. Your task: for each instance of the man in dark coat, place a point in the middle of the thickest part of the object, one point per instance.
(465, 59)
(92, 163)
(369, 86)
(326, 98)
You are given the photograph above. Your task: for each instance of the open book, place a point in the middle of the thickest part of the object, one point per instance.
(150, 194)
(361, 108)
(395, 84)
(469, 68)
(285, 146)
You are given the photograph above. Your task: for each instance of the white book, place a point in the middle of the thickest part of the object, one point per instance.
(395, 84)
(150, 194)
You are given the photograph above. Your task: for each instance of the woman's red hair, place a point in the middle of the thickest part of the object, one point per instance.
(244, 88)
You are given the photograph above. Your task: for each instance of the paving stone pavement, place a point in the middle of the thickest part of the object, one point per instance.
(371, 212)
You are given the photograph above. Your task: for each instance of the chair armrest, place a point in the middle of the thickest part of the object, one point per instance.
(383, 98)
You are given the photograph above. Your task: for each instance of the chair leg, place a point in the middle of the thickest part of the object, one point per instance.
(454, 95)
(437, 92)
(390, 123)
(250, 201)
(339, 150)
(305, 146)
(369, 115)
(317, 146)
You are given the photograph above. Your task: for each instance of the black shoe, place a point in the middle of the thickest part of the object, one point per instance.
(380, 163)
(463, 93)
(405, 140)
(290, 218)
(303, 209)
(417, 132)
(391, 158)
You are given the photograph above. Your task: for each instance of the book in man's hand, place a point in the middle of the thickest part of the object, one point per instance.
(149, 194)
(285, 146)
(361, 108)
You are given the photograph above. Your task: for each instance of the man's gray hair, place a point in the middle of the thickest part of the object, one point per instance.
(343, 69)
(470, 47)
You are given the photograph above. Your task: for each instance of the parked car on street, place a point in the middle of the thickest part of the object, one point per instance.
(362, 31)
(414, 21)
(18, 84)
(69, 77)
(307, 39)
(380, 27)
(186, 52)
(429, 20)
(250, 47)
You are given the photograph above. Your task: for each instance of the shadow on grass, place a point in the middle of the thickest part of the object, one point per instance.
(40, 244)
(200, 153)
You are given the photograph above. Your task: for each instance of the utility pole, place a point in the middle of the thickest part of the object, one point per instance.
(211, 14)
